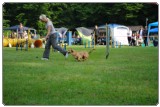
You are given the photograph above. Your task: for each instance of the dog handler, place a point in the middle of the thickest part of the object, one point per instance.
(51, 38)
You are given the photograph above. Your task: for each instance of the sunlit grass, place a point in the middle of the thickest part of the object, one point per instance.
(128, 77)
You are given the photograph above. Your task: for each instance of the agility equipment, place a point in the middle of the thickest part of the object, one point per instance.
(117, 45)
(85, 34)
(107, 40)
(64, 46)
(20, 43)
(23, 42)
(38, 43)
(89, 44)
(5, 42)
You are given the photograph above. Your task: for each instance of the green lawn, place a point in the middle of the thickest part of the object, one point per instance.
(128, 77)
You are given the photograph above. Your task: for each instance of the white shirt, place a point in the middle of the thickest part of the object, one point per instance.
(141, 34)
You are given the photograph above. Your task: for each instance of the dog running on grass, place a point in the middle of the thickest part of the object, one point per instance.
(80, 56)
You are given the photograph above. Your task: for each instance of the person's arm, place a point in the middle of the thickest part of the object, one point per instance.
(48, 32)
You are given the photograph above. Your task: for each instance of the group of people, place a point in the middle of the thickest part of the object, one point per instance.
(136, 39)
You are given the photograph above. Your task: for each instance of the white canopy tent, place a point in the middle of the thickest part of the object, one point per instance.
(119, 33)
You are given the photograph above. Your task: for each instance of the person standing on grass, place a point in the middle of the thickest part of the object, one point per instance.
(145, 31)
(96, 32)
(20, 31)
(129, 36)
(140, 32)
(51, 38)
(133, 40)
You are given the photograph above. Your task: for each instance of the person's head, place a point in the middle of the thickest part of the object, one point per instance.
(43, 18)
(96, 26)
(21, 25)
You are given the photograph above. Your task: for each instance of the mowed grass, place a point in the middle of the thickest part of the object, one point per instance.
(128, 77)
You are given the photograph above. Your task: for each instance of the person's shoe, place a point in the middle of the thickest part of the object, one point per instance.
(66, 56)
(44, 59)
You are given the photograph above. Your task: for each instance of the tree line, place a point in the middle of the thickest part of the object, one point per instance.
(72, 15)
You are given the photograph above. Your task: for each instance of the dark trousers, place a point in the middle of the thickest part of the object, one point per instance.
(133, 42)
(129, 41)
(96, 39)
(145, 41)
(155, 43)
(20, 35)
(52, 40)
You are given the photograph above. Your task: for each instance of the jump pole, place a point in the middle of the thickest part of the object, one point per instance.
(107, 41)
(94, 40)
(17, 41)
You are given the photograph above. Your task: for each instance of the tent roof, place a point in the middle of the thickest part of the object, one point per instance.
(153, 24)
(84, 31)
(114, 25)
(102, 28)
(16, 27)
(111, 26)
(154, 30)
(135, 28)
(62, 30)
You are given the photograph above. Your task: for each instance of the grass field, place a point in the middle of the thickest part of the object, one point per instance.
(128, 77)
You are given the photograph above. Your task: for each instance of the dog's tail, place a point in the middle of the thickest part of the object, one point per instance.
(91, 51)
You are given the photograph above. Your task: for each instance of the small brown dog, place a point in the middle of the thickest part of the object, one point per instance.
(80, 56)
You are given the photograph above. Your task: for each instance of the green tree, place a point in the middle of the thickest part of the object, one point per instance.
(72, 15)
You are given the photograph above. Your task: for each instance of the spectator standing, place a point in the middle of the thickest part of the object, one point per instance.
(96, 32)
(145, 32)
(137, 39)
(20, 31)
(129, 36)
(141, 34)
(133, 40)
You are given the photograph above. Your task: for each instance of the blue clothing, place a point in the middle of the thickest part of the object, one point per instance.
(20, 30)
